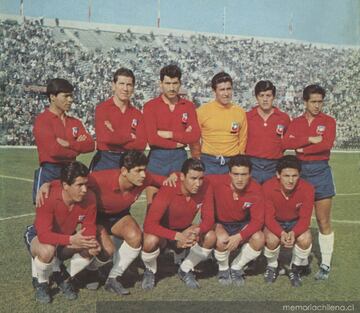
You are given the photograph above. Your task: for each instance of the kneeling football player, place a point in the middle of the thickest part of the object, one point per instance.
(170, 219)
(239, 218)
(289, 202)
(54, 236)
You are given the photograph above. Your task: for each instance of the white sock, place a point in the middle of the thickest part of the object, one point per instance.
(44, 270)
(123, 258)
(300, 257)
(56, 264)
(33, 268)
(95, 264)
(326, 243)
(196, 255)
(246, 255)
(78, 263)
(222, 258)
(272, 256)
(150, 259)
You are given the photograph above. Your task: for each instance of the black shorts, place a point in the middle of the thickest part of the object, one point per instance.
(109, 220)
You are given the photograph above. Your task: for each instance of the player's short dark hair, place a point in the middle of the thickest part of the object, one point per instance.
(133, 158)
(311, 89)
(265, 85)
(288, 161)
(171, 71)
(192, 164)
(123, 71)
(240, 160)
(58, 85)
(70, 171)
(219, 78)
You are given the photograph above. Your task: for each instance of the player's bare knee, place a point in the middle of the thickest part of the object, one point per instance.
(221, 241)
(108, 249)
(134, 238)
(257, 240)
(271, 241)
(209, 240)
(151, 243)
(304, 240)
(324, 225)
(46, 253)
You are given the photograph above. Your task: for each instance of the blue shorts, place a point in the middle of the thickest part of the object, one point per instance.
(104, 160)
(263, 169)
(109, 220)
(233, 228)
(215, 164)
(29, 235)
(166, 161)
(288, 225)
(318, 173)
(47, 172)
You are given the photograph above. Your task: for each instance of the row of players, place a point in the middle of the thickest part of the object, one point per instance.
(215, 132)
(235, 211)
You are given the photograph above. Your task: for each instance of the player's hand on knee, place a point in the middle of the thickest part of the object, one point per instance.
(95, 251)
(233, 242)
(183, 240)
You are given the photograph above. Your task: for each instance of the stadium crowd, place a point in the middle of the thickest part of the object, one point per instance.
(31, 54)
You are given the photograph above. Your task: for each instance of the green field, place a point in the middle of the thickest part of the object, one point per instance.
(16, 209)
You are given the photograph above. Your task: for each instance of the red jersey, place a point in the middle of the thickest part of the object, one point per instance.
(49, 126)
(171, 210)
(55, 222)
(158, 116)
(265, 137)
(241, 206)
(123, 124)
(278, 208)
(110, 199)
(299, 132)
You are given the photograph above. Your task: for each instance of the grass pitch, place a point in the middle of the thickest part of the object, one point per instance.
(16, 211)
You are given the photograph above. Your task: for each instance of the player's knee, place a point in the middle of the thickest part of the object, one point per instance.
(108, 249)
(209, 240)
(271, 241)
(304, 240)
(134, 239)
(257, 240)
(46, 253)
(221, 242)
(151, 243)
(324, 224)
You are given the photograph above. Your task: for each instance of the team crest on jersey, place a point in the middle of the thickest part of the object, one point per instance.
(234, 127)
(81, 218)
(320, 130)
(134, 123)
(75, 131)
(280, 129)
(247, 205)
(298, 205)
(184, 118)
